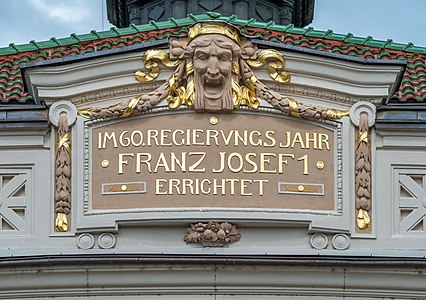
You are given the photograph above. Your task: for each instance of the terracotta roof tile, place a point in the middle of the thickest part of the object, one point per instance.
(413, 87)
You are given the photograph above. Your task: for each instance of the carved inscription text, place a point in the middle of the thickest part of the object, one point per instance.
(158, 166)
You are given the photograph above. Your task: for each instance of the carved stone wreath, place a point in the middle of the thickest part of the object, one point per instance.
(212, 234)
(213, 73)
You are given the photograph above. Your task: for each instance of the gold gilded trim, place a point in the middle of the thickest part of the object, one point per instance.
(237, 96)
(61, 222)
(277, 61)
(173, 102)
(294, 111)
(301, 188)
(245, 96)
(362, 138)
(363, 219)
(130, 108)
(85, 113)
(189, 93)
(149, 60)
(214, 28)
(236, 67)
(336, 113)
(252, 100)
(118, 188)
(189, 66)
(65, 142)
(179, 92)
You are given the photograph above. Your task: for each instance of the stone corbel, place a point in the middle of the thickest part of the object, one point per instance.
(62, 115)
(363, 116)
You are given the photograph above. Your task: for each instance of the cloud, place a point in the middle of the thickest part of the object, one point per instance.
(25, 20)
(74, 13)
(399, 20)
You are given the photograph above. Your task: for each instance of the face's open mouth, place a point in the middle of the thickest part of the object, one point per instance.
(213, 87)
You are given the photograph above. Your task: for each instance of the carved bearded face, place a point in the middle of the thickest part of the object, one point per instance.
(212, 59)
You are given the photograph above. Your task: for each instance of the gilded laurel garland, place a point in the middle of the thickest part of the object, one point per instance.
(287, 104)
(63, 175)
(213, 73)
(136, 106)
(363, 173)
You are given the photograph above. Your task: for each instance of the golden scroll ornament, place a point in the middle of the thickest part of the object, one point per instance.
(150, 59)
(276, 61)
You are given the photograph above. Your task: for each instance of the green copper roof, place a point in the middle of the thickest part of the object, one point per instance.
(132, 29)
(412, 90)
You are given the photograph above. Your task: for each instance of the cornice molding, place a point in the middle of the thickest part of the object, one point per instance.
(241, 277)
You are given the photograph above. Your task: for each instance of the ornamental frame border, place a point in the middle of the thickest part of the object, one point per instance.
(26, 169)
(338, 172)
(396, 170)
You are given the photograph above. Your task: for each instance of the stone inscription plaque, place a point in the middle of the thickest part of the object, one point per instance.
(236, 160)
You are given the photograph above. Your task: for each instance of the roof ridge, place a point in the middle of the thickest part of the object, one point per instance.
(190, 19)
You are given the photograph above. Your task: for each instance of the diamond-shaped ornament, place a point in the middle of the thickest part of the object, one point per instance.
(210, 4)
(264, 12)
(156, 13)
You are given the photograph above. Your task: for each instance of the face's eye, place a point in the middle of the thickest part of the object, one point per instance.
(201, 56)
(224, 57)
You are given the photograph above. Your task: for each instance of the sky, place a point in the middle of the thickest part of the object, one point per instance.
(402, 21)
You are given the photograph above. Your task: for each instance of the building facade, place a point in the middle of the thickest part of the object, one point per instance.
(211, 157)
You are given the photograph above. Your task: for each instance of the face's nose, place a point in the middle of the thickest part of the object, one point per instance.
(212, 67)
